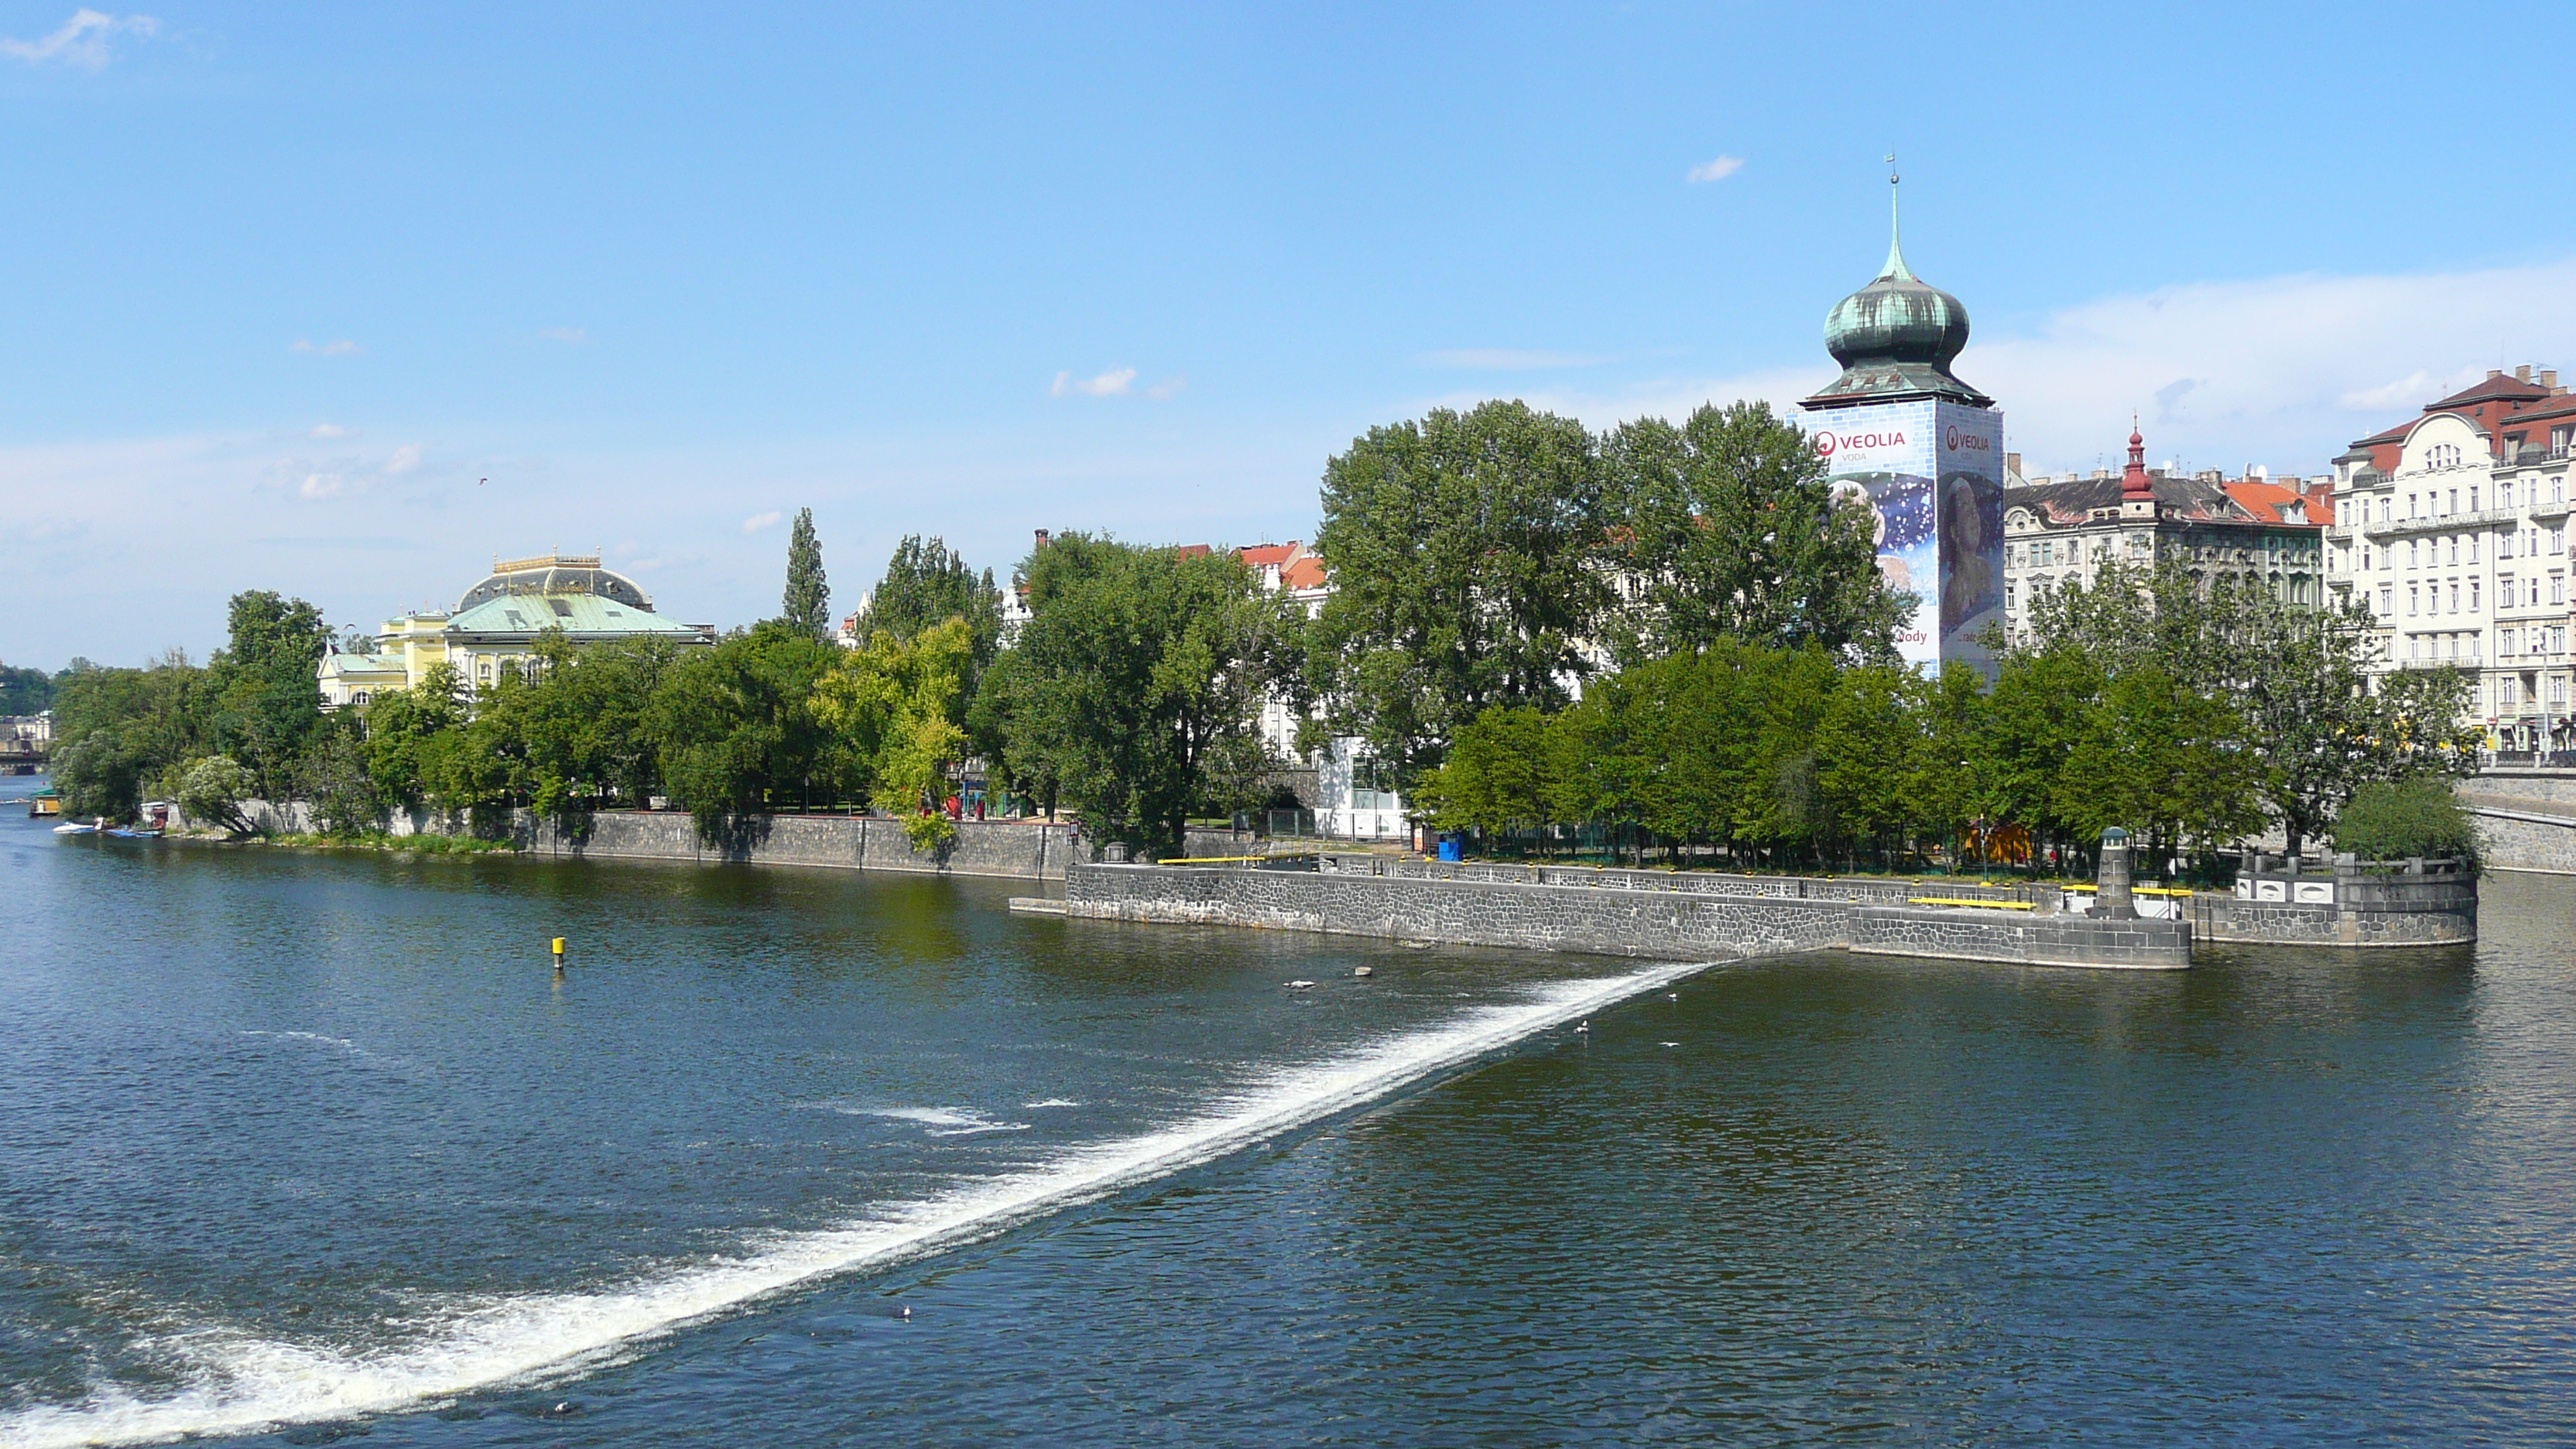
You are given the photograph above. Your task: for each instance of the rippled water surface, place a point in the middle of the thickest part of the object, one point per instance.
(297, 1146)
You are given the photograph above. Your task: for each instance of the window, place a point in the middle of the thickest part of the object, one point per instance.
(2558, 588)
(2414, 553)
(2473, 498)
(2383, 509)
(2387, 605)
(2504, 642)
(2473, 548)
(2473, 595)
(2454, 541)
(2454, 503)
(2414, 597)
(2506, 689)
(2469, 648)
(2558, 442)
(2455, 598)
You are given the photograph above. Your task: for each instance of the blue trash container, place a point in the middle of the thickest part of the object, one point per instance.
(1453, 846)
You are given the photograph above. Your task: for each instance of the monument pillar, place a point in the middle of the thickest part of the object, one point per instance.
(2112, 900)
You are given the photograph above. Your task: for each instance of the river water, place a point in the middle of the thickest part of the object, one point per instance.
(302, 1146)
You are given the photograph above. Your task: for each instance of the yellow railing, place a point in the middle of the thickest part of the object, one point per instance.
(1980, 905)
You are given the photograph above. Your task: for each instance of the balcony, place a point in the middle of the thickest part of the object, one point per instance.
(2444, 522)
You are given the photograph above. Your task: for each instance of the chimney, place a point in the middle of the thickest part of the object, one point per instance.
(2522, 373)
(2549, 378)
(1042, 538)
(2494, 372)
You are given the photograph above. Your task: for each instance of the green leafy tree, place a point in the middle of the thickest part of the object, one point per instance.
(807, 606)
(336, 785)
(1135, 687)
(587, 714)
(1736, 534)
(214, 789)
(1505, 772)
(925, 585)
(1866, 741)
(267, 706)
(736, 728)
(2399, 819)
(2298, 674)
(1467, 553)
(897, 701)
(119, 732)
(2158, 756)
(25, 691)
(409, 730)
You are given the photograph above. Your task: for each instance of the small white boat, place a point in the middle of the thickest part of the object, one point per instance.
(75, 828)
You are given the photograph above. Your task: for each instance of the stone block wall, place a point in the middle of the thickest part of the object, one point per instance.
(2028, 939)
(1668, 925)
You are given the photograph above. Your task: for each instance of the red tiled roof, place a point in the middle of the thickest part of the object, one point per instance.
(1269, 553)
(2502, 385)
(1305, 573)
(2264, 501)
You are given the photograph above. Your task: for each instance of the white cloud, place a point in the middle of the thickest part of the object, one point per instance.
(342, 348)
(331, 430)
(82, 40)
(1167, 390)
(1509, 359)
(404, 460)
(1107, 384)
(572, 335)
(1717, 170)
(319, 485)
(759, 521)
(2411, 391)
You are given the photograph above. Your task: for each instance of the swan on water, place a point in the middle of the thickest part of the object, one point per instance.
(1297, 985)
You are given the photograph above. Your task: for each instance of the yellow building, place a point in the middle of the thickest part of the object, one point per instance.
(497, 623)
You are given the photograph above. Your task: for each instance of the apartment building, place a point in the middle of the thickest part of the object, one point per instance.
(2452, 527)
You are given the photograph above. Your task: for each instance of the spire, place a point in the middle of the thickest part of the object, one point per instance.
(2134, 483)
(1895, 267)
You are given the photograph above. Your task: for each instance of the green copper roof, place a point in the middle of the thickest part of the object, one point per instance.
(580, 615)
(1896, 339)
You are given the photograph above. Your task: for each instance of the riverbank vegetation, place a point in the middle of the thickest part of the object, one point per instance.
(1668, 636)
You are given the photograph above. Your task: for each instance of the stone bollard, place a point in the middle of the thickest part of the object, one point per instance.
(2111, 898)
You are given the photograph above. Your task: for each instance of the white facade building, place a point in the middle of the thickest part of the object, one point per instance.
(2453, 529)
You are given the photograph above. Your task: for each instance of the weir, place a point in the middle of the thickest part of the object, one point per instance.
(244, 1383)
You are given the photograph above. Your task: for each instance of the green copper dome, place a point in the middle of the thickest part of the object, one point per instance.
(1896, 339)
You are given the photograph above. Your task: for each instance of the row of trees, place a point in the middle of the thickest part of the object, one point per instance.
(2191, 716)
(1670, 628)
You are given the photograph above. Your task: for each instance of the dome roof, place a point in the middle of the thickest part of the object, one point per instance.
(1896, 339)
(555, 574)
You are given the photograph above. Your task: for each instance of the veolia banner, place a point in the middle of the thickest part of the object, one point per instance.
(1932, 474)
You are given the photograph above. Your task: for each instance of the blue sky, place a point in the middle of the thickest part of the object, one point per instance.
(283, 283)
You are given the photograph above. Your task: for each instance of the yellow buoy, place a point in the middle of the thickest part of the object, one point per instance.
(559, 950)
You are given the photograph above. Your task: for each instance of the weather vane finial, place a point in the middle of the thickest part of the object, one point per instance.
(1895, 240)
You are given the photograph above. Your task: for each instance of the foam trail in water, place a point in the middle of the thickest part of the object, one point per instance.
(247, 1382)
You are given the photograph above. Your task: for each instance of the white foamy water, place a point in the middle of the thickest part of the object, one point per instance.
(243, 1382)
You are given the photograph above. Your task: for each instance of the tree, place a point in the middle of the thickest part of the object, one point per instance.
(408, 730)
(336, 785)
(1504, 773)
(1136, 684)
(2399, 819)
(1467, 554)
(213, 789)
(2299, 675)
(118, 732)
(25, 691)
(897, 702)
(2160, 757)
(587, 714)
(807, 606)
(926, 585)
(1734, 532)
(1866, 742)
(267, 707)
(736, 730)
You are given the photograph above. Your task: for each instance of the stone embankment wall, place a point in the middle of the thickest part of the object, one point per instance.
(1666, 924)
(1858, 889)
(2527, 816)
(1015, 849)
(2347, 903)
(1636, 913)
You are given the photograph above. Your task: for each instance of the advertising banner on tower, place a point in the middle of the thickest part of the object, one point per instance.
(1932, 474)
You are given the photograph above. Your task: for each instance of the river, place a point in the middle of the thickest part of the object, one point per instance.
(297, 1145)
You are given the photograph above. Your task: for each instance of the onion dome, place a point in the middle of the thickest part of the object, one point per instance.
(1896, 339)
